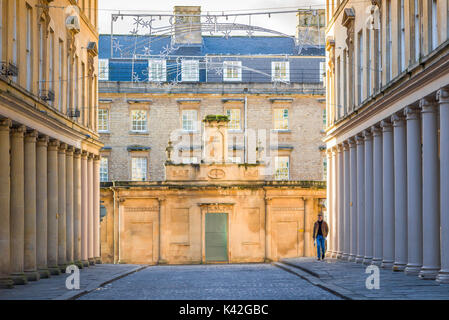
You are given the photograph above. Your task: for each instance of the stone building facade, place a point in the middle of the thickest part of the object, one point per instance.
(49, 146)
(211, 212)
(388, 134)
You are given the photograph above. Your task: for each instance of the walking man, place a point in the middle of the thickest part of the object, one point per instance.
(320, 232)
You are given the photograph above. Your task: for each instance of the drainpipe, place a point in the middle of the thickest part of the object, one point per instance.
(246, 127)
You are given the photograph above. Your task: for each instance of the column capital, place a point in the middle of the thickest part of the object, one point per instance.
(42, 141)
(53, 145)
(345, 145)
(376, 130)
(31, 136)
(351, 142)
(443, 96)
(18, 131)
(360, 139)
(77, 153)
(368, 135)
(334, 150)
(412, 113)
(70, 150)
(97, 157)
(398, 120)
(90, 156)
(84, 154)
(428, 105)
(5, 124)
(340, 148)
(386, 126)
(62, 147)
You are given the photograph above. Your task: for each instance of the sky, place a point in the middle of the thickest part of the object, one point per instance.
(285, 23)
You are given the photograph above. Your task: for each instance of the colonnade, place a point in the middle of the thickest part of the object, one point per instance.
(389, 191)
(49, 205)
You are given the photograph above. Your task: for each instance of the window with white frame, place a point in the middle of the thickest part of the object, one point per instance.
(322, 71)
(280, 71)
(190, 70)
(103, 120)
(281, 119)
(434, 26)
(189, 160)
(103, 69)
(139, 120)
(29, 53)
(234, 116)
(235, 159)
(401, 38)
(360, 59)
(104, 169)
(232, 71)
(139, 168)
(189, 120)
(157, 70)
(282, 168)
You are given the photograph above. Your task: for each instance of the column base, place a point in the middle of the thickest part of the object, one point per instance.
(367, 261)
(376, 262)
(345, 257)
(412, 270)
(85, 263)
(32, 275)
(443, 277)
(79, 264)
(98, 260)
(387, 264)
(6, 282)
(19, 278)
(359, 259)
(351, 258)
(339, 255)
(44, 273)
(399, 267)
(54, 271)
(428, 273)
(91, 261)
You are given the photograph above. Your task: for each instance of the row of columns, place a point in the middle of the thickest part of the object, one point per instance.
(389, 192)
(49, 206)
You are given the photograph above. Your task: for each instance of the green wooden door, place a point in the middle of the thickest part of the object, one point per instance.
(216, 237)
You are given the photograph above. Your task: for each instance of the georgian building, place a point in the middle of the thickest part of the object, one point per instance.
(272, 94)
(388, 134)
(49, 146)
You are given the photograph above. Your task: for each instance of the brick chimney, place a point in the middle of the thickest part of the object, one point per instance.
(187, 25)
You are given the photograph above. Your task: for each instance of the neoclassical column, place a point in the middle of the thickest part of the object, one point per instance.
(52, 207)
(41, 206)
(77, 208)
(30, 264)
(5, 198)
(400, 193)
(443, 100)
(341, 202)
(96, 205)
(414, 192)
(330, 195)
(388, 195)
(377, 196)
(69, 205)
(347, 199)
(431, 190)
(353, 199)
(90, 211)
(360, 199)
(17, 205)
(62, 223)
(333, 228)
(369, 194)
(85, 208)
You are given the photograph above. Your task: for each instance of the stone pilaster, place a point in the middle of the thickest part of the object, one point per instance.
(53, 207)
(334, 214)
(62, 223)
(17, 205)
(414, 192)
(5, 198)
(431, 190)
(347, 199)
(77, 207)
(30, 264)
(443, 100)
(330, 194)
(369, 203)
(353, 199)
(360, 199)
(90, 211)
(377, 196)
(96, 208)
(69, 205)
(41, 206)
(388, 195)
(84, 210)
(400, 193)
(341, 202)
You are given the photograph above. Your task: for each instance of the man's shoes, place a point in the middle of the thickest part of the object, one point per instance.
(322, 258)
(318, 259)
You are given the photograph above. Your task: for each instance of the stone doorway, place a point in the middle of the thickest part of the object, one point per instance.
(216, 237)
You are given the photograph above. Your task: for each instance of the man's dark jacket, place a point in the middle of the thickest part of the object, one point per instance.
(324, 229)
